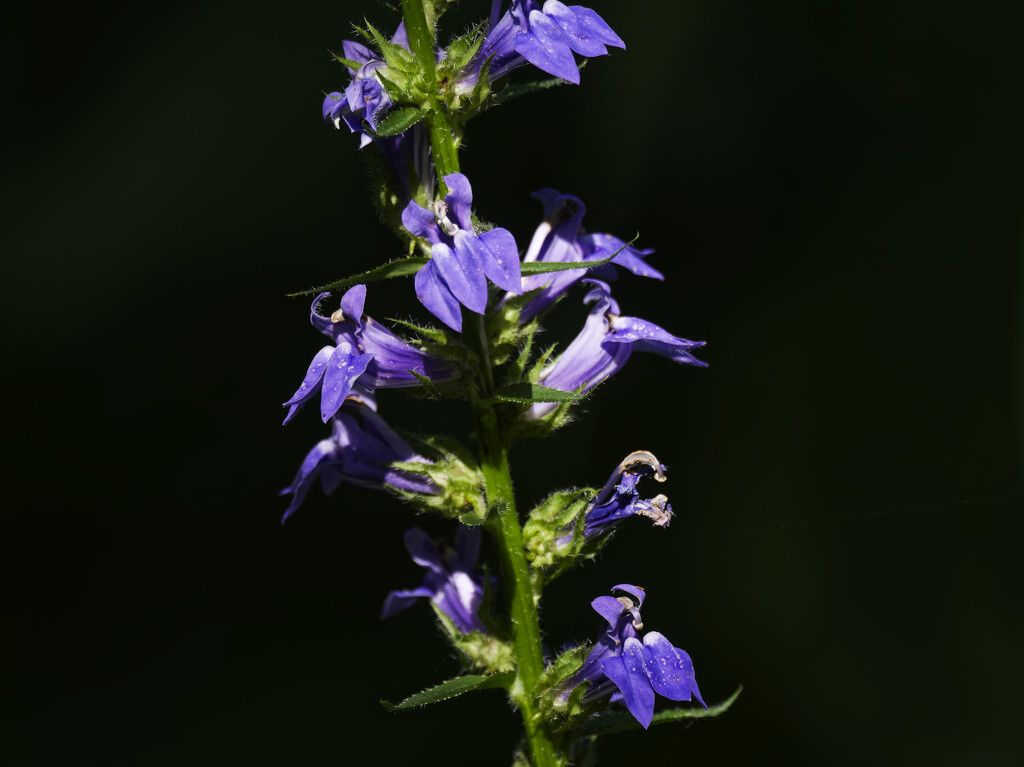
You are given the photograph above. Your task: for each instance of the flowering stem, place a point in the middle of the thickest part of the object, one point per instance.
(442, 141)
(421, 41)
(503, 524)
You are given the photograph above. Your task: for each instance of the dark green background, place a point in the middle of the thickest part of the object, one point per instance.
(834, 190)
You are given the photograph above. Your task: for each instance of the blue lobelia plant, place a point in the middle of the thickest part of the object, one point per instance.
(410, 100)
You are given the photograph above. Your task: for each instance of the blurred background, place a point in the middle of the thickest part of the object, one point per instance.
(834, 192)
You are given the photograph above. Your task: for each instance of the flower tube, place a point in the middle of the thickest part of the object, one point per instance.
(451, 582)
(604, 345)
(364, 352)
(359, 452)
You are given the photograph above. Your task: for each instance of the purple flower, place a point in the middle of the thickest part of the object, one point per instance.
(497, 47)
(365, 98)
(545, 37)
(451, 581)
(619, 499)
(364, 352)
(358, 452)
(603, 346)
(548, 36)
(461, 261)
(628, 670)
(560, 239)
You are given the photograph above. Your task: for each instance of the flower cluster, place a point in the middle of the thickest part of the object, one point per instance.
(409, 100)
(545, 36)
(365, 101)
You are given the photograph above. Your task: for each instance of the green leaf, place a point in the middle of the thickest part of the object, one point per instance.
(609, 723)
(563, 667)
(515, 371)
(446, 344)
(533, 375)
(333, 98)
(346, 62)
(427, 384)
(398, 121)
(462, 49)
(510, 92)
(528, 393)
(433, 334)
(452, 689)
(395, 90)
(541, 267)
(395, 56)
(482, 89)
(401, 267)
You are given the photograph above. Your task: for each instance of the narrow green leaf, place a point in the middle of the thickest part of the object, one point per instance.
(427, 384)
(395, 56)
(527, 393)
(449, 628)
(401, 267)
(541, 267)
(398, 121)
(533, 375)
(451, 689)
(373, 35)
(346, 62)
(482, 89)
(432, 334)
(607, 724)
(510, 92)
(516, 370)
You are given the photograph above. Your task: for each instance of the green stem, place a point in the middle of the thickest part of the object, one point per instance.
(421, 40)
(503, 522)
(421, 35)
(442, 140)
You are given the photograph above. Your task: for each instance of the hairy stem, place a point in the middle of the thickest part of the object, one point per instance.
(503, 521)
(422, 38)
(503, 524)
(442, 141)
